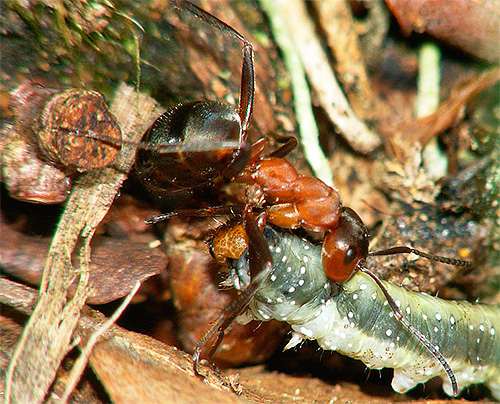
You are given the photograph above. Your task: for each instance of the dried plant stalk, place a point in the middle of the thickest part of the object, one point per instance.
(47, 335)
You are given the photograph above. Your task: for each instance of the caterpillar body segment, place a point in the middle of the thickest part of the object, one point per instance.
(354, 318)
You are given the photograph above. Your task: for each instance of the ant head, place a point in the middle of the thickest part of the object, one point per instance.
(345, 247)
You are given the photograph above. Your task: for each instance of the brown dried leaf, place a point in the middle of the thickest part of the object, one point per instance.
(115, 267)
(424, 129)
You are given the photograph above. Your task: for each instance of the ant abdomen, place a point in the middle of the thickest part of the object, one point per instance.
(192, 145)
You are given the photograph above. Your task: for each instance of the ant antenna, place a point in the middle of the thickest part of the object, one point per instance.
(399, 314)
(414, 331)
(433, 257)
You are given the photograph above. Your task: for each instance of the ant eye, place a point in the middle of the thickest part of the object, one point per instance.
(350, 255)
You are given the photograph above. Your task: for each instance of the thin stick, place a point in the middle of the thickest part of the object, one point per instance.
(81, 362)
(308, 130)
(322, 78)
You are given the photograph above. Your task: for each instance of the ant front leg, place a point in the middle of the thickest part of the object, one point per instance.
(260, 268)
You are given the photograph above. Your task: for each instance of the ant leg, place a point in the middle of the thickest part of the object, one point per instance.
(261, 266)
(233, 210)
(247, 89)
(247, 71)
(257, 149)
(290, 144)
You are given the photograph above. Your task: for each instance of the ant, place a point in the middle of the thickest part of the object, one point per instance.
(211, 147)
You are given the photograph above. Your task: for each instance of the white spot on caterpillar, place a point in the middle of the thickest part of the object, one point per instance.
(388, 332)
(452, 320)
(362, 286)
(374, 295)
(306, 259)
(481, 327)
(492, 331)
(306, 331)
(278, 250)
(424, 316)
(279, 299)
(349, 345)
(293, 302)
(273, 277)
(264, 315)
(292, 289)
(471, 327)
(301, 282)
(478, 340)
(438, 317)
(283, 259)
(350, 314)
(306, 247)
(354, 296)
(436, 329)
(302, 269)
(289, 269)
(408, 310)
(398, 303)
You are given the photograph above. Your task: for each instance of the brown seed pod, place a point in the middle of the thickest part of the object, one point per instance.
(71, 129)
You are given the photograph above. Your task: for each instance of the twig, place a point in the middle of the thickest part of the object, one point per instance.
(322, 77)
(427, 102)
(79, 366)
(308, 130)
(47, 334)
(337, 21)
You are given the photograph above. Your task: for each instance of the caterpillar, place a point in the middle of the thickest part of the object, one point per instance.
(354, 318)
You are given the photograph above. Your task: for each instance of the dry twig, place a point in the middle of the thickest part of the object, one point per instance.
(47, 335)
(322, 77)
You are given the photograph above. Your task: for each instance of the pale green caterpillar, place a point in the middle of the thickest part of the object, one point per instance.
(355, 319)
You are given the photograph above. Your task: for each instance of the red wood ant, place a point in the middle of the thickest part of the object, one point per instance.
(212, 147)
